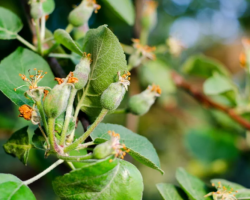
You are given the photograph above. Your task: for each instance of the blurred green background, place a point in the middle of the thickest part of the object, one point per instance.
(185, 134)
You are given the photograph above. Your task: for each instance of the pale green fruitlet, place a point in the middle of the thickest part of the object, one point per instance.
(56, 101)
(82, 72)
(81, 14)
(140, 104)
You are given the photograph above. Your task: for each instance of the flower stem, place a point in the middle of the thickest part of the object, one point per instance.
(44, 135)
(59, 55)
(70, 164)
(88, 132)
(75, 158)
(43, 26)
(69, 28)
(25, 42)
(41, 111)
(39, 42)
(68, 116)
(51, 125)
(43, 172)
(119, 111)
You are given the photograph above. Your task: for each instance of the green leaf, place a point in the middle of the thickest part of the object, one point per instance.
(48, 6)
(12, 188)
(194, 187)
(223, 86)
(209, 145)
(123, 9)
(217, 84)
(10, 24)
(171, 192)
(108, 58)
(203, 66)
(140, 148)
(21, 61)
(19, 145)
(62, 37)
(102, 180)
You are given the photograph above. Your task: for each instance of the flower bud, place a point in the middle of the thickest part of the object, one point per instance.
(113, 95)
(140, 104)
(56, 101)
(81, 14)
(82, 72)
(36, 10)
(110, 147)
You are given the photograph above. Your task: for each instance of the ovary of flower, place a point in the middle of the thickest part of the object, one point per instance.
(33, 80)
(94, 4)
(124, 79)
(222, 193)
(120, 150)
(145, 50)
(175, 46)
(155, 89)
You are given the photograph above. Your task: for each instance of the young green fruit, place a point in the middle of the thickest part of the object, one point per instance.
(81, 14)
(56, 100)
(36, 10)
(140, 104)
(103, 150)
(113, 95)
(112, 146)
(82, 72)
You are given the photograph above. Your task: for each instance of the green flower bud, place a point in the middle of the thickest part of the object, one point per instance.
(36, 10)
(81, 14)
(82, 72)
(56, 101)
(110, 147)
(113, 95)
(140, 104)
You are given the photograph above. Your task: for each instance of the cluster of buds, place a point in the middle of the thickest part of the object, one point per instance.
(140, 104)
(81, 14)
(113, 95)
(141, 53)
(111, 147)
(222, 193)
(149, 15)
(243, 58)
(175, 46)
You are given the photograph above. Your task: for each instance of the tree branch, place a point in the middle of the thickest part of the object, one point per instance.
(203, 99)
